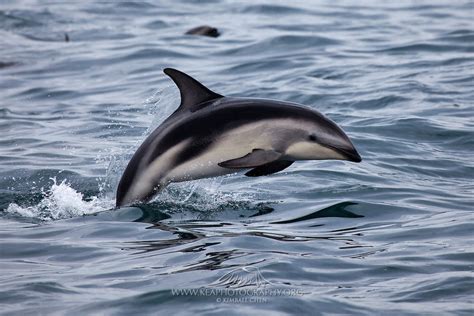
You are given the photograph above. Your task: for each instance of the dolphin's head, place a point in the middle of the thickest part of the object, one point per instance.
(318, 138)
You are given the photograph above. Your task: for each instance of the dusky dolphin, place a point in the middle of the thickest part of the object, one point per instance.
(211, 135)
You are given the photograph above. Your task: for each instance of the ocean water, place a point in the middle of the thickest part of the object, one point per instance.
(81, 85)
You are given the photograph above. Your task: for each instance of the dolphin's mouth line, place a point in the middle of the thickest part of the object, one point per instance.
(350, 154)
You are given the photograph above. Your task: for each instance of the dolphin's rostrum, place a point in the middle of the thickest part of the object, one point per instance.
(211, 135)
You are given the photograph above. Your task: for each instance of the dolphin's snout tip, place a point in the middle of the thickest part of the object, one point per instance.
(356, 157)
(353, 155)
(350, 154)
(347, 153)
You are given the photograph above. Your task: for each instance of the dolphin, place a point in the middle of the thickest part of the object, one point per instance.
(211, 135)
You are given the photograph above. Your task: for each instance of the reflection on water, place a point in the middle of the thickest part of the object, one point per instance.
(193, 236)
(336, 210)
(150, 214)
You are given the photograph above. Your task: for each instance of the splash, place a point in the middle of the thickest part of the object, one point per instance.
(158, 107)
(203, 195)
(59, 202)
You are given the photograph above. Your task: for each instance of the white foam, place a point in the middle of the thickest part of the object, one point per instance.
(59, 202)
(203, 195)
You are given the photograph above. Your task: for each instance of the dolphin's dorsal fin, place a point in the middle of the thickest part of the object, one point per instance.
(192, 91)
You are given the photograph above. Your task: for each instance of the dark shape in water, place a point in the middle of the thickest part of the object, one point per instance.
(263, 210)
(6, 64)
(151, 215)
(204, 30)
(66, 37)
(336, 210)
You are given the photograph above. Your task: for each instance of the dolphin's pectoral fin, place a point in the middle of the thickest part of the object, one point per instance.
(192, 91)
(269, 168)
(254, 159)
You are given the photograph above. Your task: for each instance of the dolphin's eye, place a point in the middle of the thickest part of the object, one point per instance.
(312, 137)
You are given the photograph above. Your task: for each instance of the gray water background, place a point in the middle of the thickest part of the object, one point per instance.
(391, 235)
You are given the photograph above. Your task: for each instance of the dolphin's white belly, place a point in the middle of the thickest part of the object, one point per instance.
(233, 144)
(202, 166)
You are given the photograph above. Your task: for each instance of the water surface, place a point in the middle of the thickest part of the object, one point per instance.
(390, 235)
